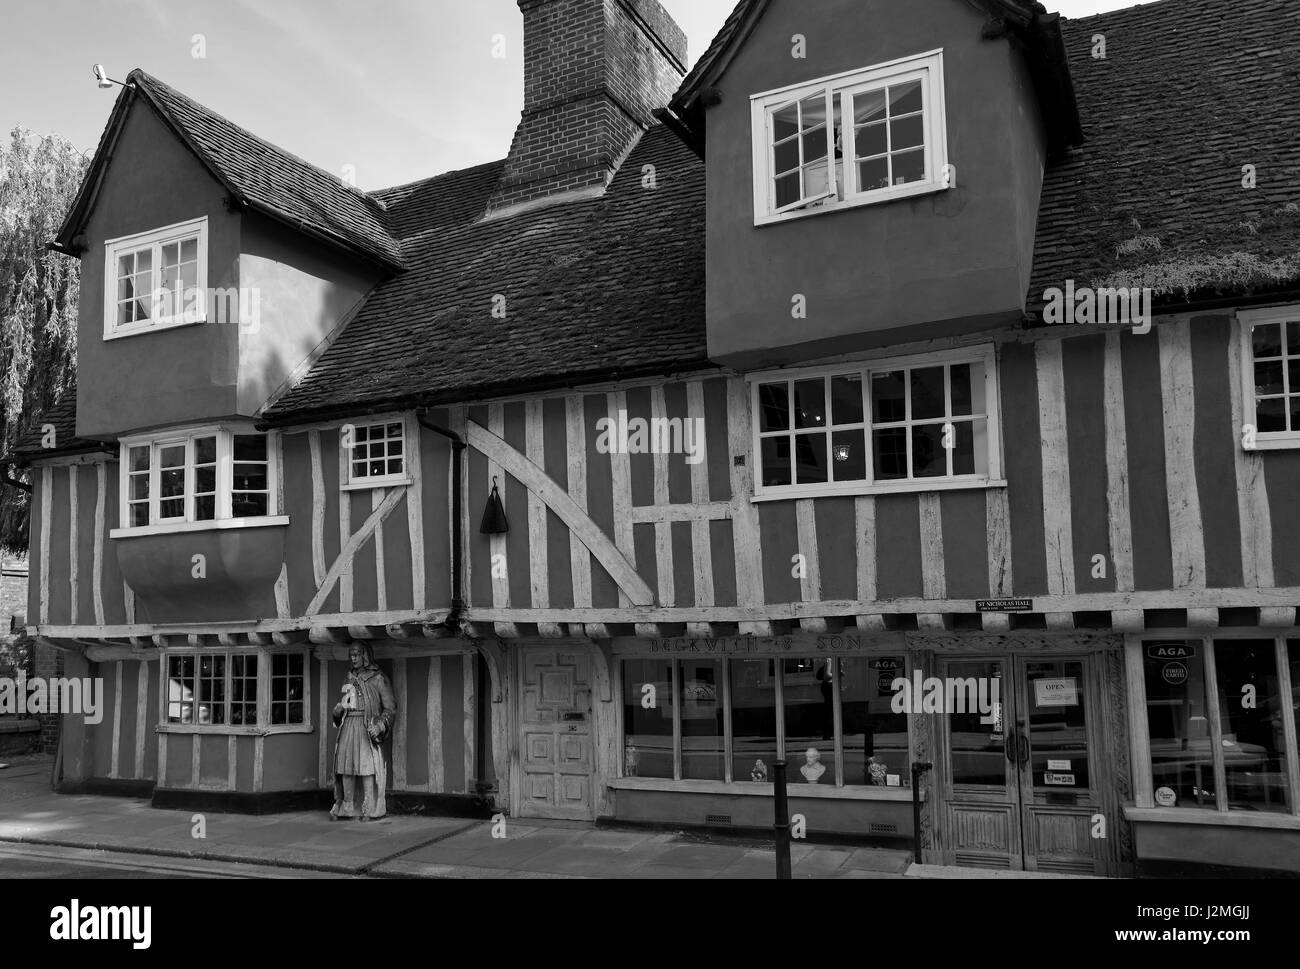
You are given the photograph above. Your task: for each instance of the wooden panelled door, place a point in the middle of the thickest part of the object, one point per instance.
(555, 733)
(1024, 790)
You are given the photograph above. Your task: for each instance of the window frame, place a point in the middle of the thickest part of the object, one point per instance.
(1247, 320)
(366, 482)
(225, 471)
(263, 727)
(1140, 740)
(926, 67)
(155, 239)
(833, 783)
(984, 354)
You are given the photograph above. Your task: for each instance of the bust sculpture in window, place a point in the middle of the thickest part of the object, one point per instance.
(813, 768)
(878, 770)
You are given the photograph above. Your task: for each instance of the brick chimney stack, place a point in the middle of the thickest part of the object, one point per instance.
(594, 71)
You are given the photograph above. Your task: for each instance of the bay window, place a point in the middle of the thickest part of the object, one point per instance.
(197, 476)
(235, 691)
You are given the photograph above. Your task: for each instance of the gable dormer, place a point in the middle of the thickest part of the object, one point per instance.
(874, 170)
(213, 265)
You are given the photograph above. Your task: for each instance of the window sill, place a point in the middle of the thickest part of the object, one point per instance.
(1230, 819)
(174, 324)
(900, 488)
(879, 197)
(752, 789)
(1290, 442)
(173, 528)
(369, 484)
(183, 728)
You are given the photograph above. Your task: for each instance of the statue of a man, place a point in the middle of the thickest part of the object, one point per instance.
(364, 717)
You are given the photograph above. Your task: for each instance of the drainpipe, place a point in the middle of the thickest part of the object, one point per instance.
(457, 598)
(457, 502)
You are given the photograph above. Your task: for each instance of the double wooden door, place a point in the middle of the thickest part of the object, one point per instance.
(1026, 787)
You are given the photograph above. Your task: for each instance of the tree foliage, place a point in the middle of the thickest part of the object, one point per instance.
(39, 179)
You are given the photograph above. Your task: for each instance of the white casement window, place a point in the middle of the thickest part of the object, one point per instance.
(156, 280)
(236, 691)
(1270, 381)
(201, 477)
(902, 424)
(375, 453)
(852, 139)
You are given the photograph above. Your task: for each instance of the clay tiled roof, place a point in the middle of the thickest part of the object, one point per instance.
(63, 416)
(256, 173)
(1189, 92)
(591, 289)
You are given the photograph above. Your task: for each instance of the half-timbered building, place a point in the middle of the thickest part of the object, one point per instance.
(786, 375)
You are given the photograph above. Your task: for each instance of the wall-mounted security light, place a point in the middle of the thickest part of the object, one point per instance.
(103, 80)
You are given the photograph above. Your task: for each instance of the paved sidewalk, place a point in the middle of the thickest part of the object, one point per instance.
(401, 846)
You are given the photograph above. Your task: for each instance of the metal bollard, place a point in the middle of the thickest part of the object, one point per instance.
(782, 807)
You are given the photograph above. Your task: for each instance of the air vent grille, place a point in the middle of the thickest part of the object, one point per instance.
(884, 829)
(717, 819)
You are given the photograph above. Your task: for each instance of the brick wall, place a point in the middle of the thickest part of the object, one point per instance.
(16, 648)
(594, 72)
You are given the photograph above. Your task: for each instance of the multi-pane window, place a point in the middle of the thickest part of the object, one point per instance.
(221, 689)
(196, 689)
(155, 279)
(287, 688)
(887, 424)
(243, 689)
(1219, 711)
(250, 494)
(852, 139)
(889, 135)
(196, 476)
(830, 719)
(376, 452)
(1271, 379)
(802, 149)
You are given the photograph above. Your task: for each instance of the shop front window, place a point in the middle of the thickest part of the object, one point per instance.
(648, 718)
(753, 719)
(703, 749)
(1178, 723)
(875, 738)
(830, 720)
(1217, 712)
(1250, 711)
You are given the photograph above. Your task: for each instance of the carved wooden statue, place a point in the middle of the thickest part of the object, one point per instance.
(364, 716)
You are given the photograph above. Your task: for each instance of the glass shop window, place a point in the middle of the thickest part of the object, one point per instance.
(703, 750)
(1178, 723)
(753, 719)
(875, 738)
(648, 718)
(808, 686)
(1251, 708)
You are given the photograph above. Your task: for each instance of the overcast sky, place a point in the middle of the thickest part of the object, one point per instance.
(400, 89)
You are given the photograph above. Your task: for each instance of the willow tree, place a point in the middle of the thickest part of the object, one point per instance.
(39, 178)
